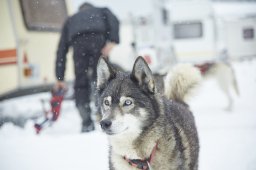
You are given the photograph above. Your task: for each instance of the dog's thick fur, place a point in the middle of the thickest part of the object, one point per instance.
(136, 117)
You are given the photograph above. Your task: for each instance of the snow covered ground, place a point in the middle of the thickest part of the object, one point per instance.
(228, 139)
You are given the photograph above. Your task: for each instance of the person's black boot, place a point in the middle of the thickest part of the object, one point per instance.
(88, 128)
(85, 113)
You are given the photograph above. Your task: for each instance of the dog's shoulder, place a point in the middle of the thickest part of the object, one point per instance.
(178, 111)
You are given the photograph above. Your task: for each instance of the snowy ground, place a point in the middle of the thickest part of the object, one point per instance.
(228, 139)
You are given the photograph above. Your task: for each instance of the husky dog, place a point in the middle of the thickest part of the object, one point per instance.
(225, 76)
(147, 129)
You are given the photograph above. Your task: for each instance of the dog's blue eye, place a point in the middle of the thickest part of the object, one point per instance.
(106, 102)
(127, 102)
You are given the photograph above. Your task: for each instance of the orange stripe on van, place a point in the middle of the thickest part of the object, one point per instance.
(8, 57)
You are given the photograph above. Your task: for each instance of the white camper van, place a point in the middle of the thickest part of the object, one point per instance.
(200, 30)
(153, 37)
(236, 26)
(193, 28)
(203, 29)
(240, 38)
(29, 36)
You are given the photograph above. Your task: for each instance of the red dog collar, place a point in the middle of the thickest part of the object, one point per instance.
(142, 164)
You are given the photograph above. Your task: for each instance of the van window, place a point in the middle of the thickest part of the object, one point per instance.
(188, 30)
(46, 15)
(248, 33)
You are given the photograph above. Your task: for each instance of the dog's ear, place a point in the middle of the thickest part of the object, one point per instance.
(142, 74)
(104, 72)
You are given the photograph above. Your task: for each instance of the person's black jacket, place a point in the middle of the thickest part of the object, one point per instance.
(98, 21)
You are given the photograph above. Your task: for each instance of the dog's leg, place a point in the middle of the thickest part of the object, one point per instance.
(224, 81)
(234, 82)
(230, 102)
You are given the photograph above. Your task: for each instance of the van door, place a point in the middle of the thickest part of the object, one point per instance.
(8, 50)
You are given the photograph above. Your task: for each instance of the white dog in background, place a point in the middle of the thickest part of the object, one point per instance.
(225, 76)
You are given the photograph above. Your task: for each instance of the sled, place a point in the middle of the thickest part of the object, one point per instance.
(52, 115)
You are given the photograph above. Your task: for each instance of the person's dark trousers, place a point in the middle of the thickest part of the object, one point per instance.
(87, 50)
(84, 109)
(83, 96)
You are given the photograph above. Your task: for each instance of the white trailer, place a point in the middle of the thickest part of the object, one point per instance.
(236, 25)
(153, 37)
(240, 38)
(193, 28)
(176, 30)
(199, 31)
(203, 29)
(29, 36)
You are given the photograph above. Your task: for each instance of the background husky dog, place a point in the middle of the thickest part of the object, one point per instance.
(146, 129)
(225, 76)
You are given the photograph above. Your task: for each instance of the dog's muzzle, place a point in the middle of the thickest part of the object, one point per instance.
(105, 124)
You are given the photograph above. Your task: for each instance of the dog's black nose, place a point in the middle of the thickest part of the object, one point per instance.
(105, 124)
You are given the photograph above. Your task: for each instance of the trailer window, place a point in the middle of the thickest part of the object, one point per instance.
(46, 15)
(188, 30)
(248, 33)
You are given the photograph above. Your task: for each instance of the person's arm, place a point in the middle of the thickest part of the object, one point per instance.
(112, 24)
(112, 34)
(107, 49)
(63, 47)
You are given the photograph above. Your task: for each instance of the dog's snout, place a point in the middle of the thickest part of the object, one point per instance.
(105, 124)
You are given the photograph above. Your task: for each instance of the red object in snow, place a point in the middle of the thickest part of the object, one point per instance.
(56, 101)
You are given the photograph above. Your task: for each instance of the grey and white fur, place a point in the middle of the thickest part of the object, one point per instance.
(136, 117)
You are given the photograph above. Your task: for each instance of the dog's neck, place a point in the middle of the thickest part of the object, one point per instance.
(143, 164)
(123, 144)
(132, 146)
